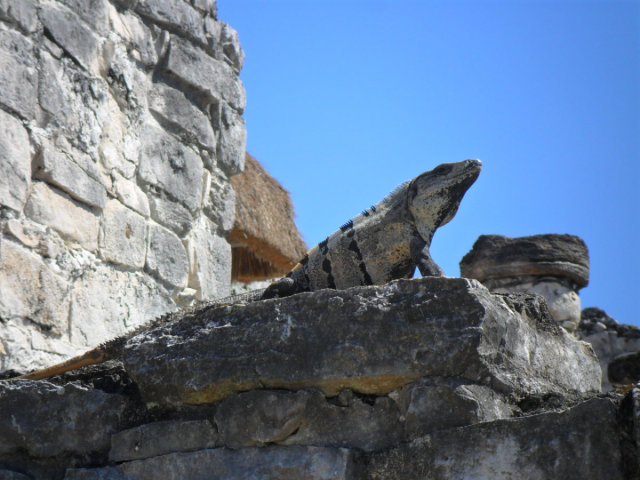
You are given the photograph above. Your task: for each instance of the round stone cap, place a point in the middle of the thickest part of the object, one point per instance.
(496, 256)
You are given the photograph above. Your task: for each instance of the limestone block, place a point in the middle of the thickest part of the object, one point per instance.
(141, 39)
(172, 106)
(130, 194)
(161, 438)
(272, 463)
(220, 203)
(206, 6)
(166, 256)
(123, 238)
(22, 13)
(18, 75)
(209, 264)
(94, 12)
(231, 47)
(50, 95)
(48, 420)
(170, 214)
(169, 165)
(14, 227)
(232, 139)
(205, 73)
(71, 34)
(306, 418)
(29, 289)
(179, 15)
(579, 443)
(58, 169)
(15, 161)
(330, 340)
(108, 303)
(55, 209)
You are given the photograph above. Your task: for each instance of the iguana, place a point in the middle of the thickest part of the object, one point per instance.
(385, 242)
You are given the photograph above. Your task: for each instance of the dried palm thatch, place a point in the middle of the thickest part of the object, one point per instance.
(265, 240)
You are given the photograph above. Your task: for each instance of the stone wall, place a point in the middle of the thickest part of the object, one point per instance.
(121, 126)
(426, 378)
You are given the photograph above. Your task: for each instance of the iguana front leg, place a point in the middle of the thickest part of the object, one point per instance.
(282, 288)
(422, 259)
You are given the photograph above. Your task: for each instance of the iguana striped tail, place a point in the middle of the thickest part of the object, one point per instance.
(113, 348)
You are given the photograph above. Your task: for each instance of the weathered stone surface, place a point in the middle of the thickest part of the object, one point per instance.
(71, 34)
(15, 228)
(232, 139)
(141, 39)
(580, 443)
(209, 264)
(166, 256)
(15, 161)
(172, 106)
(47, 420)
(179, 15)
(50, 96)
(496, 256)
(56, 168)
(220, 200)
(18, 77)
(635, 396)
(107, 303)
(55, 209)
(171, 166)
(130, 194)
(331, 340)
(260, 417)
(273, 463)
(94, 12)
(9, 475)
(205, 73)
(29, 289)
(231, 46)
(170, 214)
(22, 13)
(162, 438)
(624, 369)
(123, 239)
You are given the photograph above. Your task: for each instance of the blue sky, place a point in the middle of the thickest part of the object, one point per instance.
(347, 99)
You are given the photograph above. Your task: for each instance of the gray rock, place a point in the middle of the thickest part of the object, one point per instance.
(170, 166)
(331, 340)
(18, 76)
(50, 95)
(130, 194)
(15, 228)
(166, 256)
(107, 303)
(273, 463)
(94, 12)
(123, 238)
(15, 162)
(209, 264)
(48, 420)
(172, 106)
(141, 39)
(8, 475)
(580, 443)
(496, 256)
(179, 15)
(162, 438)
(22, 13)
(220, 203)
(214, 78)
(170, 214)
(56, 209)
(206, 6)
(56, 168)
(71, 34)
(29, 289)
(231, 47)
(635, 395)
(232, 139)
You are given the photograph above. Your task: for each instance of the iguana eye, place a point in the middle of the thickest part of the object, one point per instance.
(442, 169)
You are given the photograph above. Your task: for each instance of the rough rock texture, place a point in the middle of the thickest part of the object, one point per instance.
(112, 134)
(503, 393)
(330, 340)
(581, 443)
(609, 340)
(553, 266)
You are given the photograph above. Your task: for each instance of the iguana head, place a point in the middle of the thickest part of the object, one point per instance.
(433, 197)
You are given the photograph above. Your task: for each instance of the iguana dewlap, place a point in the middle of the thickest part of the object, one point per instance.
(385, 242)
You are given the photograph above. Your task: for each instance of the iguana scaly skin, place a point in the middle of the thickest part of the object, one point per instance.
(385, 242)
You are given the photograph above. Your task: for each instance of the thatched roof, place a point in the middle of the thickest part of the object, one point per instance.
(266, 242)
